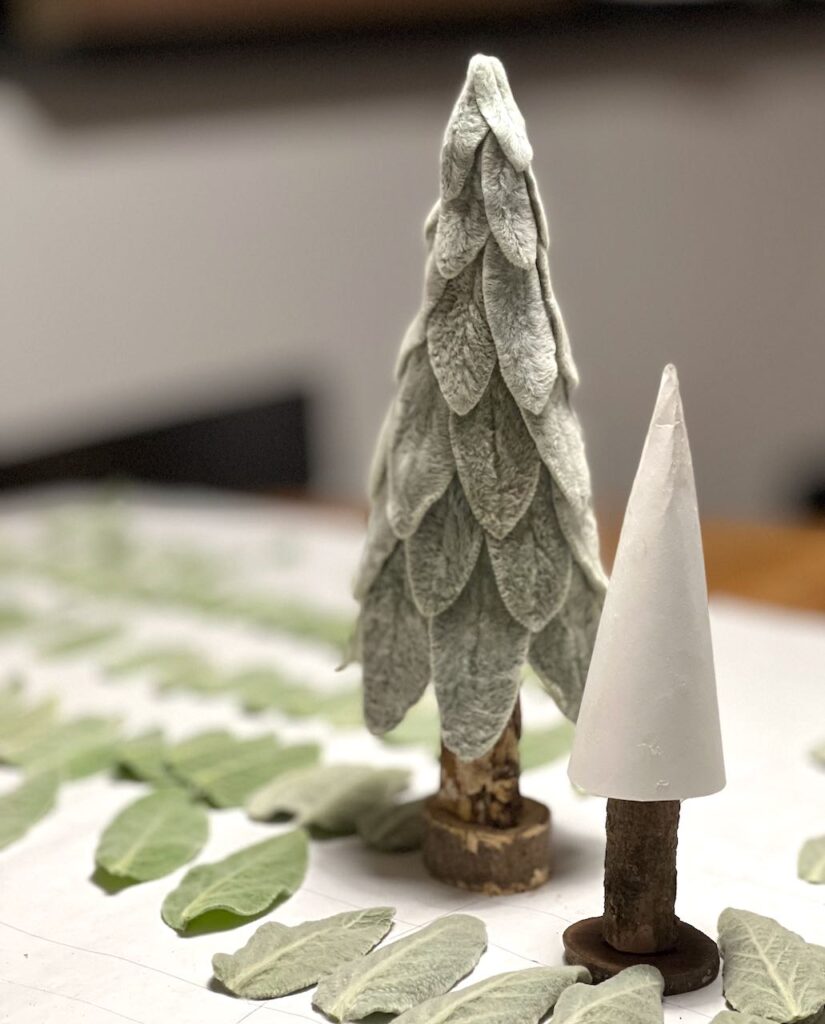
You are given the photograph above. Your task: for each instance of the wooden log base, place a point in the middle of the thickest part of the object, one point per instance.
(692, 963)
(495, 861)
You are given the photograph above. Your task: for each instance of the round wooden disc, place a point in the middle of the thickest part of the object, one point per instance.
(495, 861)
(692, 963)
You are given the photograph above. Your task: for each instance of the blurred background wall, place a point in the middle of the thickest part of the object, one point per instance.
(183, 231)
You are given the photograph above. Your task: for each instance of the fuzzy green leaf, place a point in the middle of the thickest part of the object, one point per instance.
(523, 996)
(734, 1017)
(279, 960)
(811, 865)
(244, 883)
(153, 836)
(22, 807)
(508, 206)
(462, 228)
(465, 132)
(393, 828)
(495, 101)
(22, 724)
(634, 996)
(405, 973)
(770, 971)
(330, 797)
(543, 746)
(379, 544)
(78, 748)
(77, 639)
(144, 758)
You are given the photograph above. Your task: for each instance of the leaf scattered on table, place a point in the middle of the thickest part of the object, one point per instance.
(22, 807)
(523, 996)
(542, 746)
(770, 971)
(144, 758)
(734, 1017)
(75, 749)
(245, 883)
(329, 797)
(23, 724)
(162, 659)
(153, 836)
(279, 960)
(393, 828)
(77, 639)
(399, 976)
(634, 996)
(811, 864)
(819, 753)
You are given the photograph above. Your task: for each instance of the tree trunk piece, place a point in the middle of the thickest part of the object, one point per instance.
(640, 876)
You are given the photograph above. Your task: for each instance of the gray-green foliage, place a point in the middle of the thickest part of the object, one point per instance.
(77, 638)
(405, 973)
(480, 460)
(393, 828)
(819, 753)
(25, 805)
(244, 883)
(734, 1017)
(73, 749)
(523, 996)
(329, 797)
(153, 836)
(634, 996)
(23, 723)
(538, 747)
(144, 758)
(770, 971)
(279, 959)
(811, 862)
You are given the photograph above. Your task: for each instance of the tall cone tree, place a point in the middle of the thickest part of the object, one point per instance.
(482, 551)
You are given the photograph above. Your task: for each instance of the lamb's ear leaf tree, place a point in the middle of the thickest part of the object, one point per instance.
(482, 549)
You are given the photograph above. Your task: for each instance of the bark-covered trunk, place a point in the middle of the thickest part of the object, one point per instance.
(485, 791)
(640, 875)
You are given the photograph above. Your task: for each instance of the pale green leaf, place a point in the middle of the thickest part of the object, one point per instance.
(421, 726)
(379, 544)
(144, 758)
(244, 883)
(634, 996)
(23, 724)
(330, 797)
(462, 228)
(542, 746)
(22, 807)
(495, 101)
(279, 960)
(768, 970)
(405, 973)
(523, 996)
(478, 650)
(819, 753)
(77, 639)
(153, 836)
(164, 659)
(75, 749)
(465, 131)
(393, 828)
(508, 206)
(811, 865)
(734, 1017)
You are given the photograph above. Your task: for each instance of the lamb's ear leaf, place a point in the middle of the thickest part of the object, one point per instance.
(462, 352)
(143, 757)
(279, 959)
(379, 544)
(538, 209)
(24, 806)
(420, 461)
(464, 134)
(532, 564)
(416, 333)
(508, 206)
(526, 996)
(496, 458)
(442, 552)
(539, 747)
(560, 653)
(462, 228)
(496, 103)
(74, 749)
(734, 1017)
(397, 977)
(395, 647)
(633, 996)
(478, 650)
(770, 971)
(564, 352)
(521, 329)
(811, 863)
(393, 828)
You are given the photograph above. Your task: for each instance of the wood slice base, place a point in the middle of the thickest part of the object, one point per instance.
(495, 861)
(692, 963)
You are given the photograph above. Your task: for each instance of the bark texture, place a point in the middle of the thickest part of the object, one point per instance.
(640, 876)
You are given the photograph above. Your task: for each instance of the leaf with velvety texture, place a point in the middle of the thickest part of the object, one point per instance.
(496, 103)
(279, 959)
(406, 972)
(583, 537)
(521, 329)
(395, 647)
(768, 970)
(420, 461)
(330, 797)
(523, 996)
(564, 353)
(634, 996)
(75, 749)
(153, 836)
(734, 1017)
(25, 805)
(442, 552)
(465, 132)
(532, 564)
(496, 459)
(560, 653)
(478, 650)
(244, 883)
(379, 544)
(393, 828)
(811, 863)
(462, 353)
(462, 228)
(507, 203)
(416, 333)
(144, 758)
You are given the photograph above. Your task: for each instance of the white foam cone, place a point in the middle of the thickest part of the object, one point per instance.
(648, 728)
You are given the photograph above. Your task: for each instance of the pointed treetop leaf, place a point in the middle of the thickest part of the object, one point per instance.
(464, 134)
(633, 996)
(507, 205)
(496, 103)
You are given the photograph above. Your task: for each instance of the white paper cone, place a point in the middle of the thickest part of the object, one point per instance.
(648, 728)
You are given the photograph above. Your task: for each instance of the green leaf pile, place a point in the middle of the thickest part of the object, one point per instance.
(811, 863)
(328, 797)
(399, 976)
(25, 805)
(770, 971)
(153, 836)
(393, 828)
(634, 996)
(279, 960)
(523, 996)
(244, 883)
